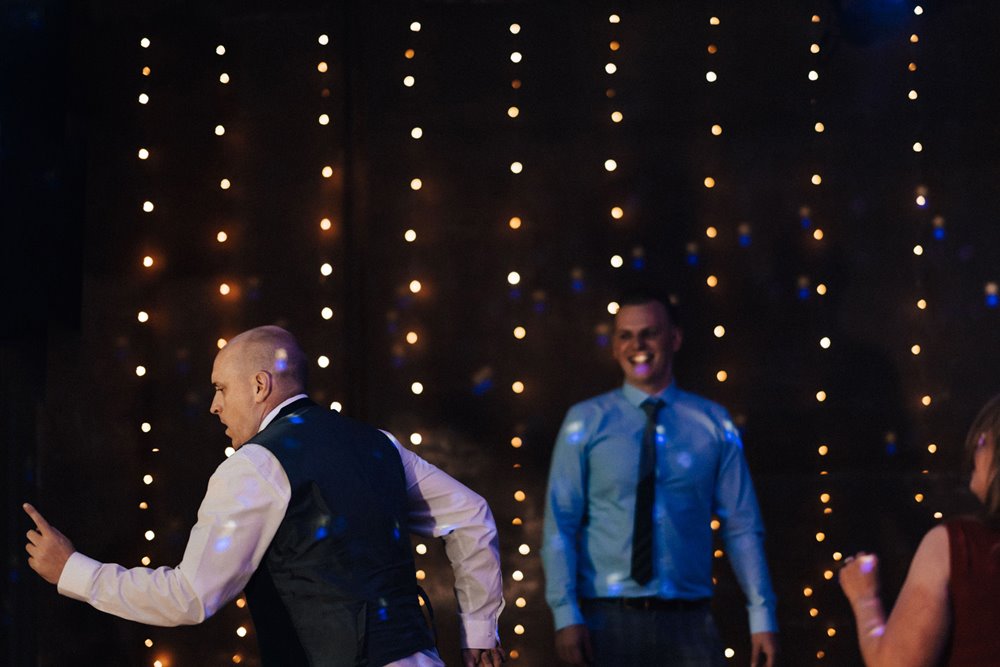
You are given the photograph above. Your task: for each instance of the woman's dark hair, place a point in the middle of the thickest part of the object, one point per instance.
(986, 426)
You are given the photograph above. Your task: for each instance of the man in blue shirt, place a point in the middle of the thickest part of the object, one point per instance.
(637, 475)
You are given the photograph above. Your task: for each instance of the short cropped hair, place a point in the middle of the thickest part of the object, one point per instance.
(637, 296)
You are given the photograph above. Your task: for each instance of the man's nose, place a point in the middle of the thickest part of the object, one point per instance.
(215, 408)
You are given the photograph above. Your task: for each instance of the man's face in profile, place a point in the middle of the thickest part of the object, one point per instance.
(234, 402)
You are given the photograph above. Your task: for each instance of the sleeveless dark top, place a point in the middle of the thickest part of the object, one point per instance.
(974, 590)
(336, 586)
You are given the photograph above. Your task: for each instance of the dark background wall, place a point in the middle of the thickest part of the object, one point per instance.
(767, 238)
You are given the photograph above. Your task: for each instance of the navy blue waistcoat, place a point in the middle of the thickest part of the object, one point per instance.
(336, 586)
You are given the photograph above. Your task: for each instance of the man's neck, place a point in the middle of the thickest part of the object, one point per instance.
(651, 388)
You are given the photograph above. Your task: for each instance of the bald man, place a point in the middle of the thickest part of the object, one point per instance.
(310, 517)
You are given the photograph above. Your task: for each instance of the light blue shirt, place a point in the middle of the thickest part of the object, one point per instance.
(700, 473)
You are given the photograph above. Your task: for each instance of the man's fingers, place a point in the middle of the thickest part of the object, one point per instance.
(40, 523)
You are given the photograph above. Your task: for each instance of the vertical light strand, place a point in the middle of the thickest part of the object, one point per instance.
(149, 262)
(706, 182)
(514, 285)
(713, 229)
(930, 235)
(411, 338)
(224, 289)
(223, 236)
(710, 224)
(619, 218)
(614, 117)
(811, 289)
(228, 183)
(327, 175)
(328, 224)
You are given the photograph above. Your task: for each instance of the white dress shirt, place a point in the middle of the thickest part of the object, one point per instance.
(243, 506)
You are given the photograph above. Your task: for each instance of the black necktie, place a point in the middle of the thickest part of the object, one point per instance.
(642, 533)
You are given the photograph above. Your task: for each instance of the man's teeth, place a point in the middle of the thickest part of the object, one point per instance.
(640, 359)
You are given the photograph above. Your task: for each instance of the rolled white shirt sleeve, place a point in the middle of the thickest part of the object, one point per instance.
(243, 506)
(441, 506)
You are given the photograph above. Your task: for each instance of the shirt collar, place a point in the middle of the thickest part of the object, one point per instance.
(636, 396)
(273, 413)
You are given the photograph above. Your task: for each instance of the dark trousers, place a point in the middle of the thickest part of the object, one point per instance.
(667, 634)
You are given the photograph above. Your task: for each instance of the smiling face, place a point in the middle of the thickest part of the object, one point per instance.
(644, 344)
(237, 396)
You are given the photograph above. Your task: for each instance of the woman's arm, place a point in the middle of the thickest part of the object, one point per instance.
(918, 627)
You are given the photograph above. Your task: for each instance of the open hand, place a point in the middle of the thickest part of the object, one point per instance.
(48, 549)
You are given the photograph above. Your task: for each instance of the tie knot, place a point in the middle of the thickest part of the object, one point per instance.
(651, 406)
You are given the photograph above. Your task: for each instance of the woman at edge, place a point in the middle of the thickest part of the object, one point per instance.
(948, 608)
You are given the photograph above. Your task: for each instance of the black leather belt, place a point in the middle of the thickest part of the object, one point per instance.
(656, 604)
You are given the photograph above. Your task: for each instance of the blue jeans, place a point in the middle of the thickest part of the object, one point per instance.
(626, 637)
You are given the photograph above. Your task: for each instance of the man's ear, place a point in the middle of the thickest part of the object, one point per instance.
(263, 385)
(677, 338)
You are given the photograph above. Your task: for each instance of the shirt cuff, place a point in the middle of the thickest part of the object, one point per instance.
(567, 615)
(762, 619)
(77, 577)
(478, 632)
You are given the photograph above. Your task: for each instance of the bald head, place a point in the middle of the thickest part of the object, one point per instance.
(271, 349)
(253, 374)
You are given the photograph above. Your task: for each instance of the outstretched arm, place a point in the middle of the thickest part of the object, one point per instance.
(918, 627)
(239, 515)
(441, 506)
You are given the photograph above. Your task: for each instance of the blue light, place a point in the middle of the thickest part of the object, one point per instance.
(803, 293)
(806, 223)
(992, 300)
(692, 259)
(482, 387)
(602, 340)
(577, 285)
(321, 532)
(296, 419)
(744, 240)
(939, 233)
(890, 449)
(383, 614)
(515, 293)
(638, 263)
